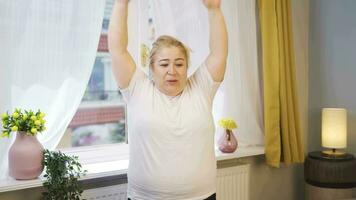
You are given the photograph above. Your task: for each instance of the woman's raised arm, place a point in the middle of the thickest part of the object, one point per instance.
(122, 62)
(218, 41)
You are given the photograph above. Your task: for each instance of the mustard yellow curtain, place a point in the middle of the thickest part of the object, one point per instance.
(283, 139)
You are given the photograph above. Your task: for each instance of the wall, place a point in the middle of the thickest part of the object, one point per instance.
(266, 182)
(332, 63)
(36, 193)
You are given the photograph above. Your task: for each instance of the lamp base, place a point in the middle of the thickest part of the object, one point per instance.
(318, 155)
(333, 152)
(335, 155)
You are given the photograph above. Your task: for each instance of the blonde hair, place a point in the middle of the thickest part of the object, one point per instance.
(168, 41)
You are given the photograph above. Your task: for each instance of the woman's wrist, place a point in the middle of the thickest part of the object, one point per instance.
(214, 10)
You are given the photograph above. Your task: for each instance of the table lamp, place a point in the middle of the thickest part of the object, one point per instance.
(334, 131)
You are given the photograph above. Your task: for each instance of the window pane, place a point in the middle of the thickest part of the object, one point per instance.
(101, 116)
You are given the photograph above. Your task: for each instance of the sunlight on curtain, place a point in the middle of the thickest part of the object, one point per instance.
(48, 49)
(239, 96)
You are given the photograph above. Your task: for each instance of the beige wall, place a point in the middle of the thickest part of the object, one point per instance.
(269, 183)
(300, 9)
(28, 194)
(266, 182)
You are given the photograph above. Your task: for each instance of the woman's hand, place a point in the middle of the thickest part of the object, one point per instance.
(212, 4)
(218, 41)
(122, 62)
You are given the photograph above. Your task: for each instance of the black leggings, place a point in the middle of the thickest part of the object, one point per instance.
(212, 197)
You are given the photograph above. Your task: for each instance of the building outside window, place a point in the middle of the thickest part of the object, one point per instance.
(101, 117)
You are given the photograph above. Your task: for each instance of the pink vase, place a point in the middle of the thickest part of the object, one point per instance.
(227, 142)
(25, 157)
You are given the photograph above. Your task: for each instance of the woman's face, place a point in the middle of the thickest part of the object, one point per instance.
(169, 70)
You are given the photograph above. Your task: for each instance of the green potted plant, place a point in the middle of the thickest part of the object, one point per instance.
(25, 155)
(62, 173)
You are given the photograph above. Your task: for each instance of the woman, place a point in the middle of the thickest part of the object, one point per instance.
(171, 128)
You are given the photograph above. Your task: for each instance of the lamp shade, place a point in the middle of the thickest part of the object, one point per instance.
(334, 128)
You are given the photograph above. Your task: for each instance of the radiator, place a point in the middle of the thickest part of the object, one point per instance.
(232, 184)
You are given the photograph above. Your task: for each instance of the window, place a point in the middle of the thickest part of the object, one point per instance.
(101, 116)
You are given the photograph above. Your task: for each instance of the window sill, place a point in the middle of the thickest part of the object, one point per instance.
(102, 162)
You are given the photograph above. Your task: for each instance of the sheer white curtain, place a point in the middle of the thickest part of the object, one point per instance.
(239, 96)
(47, 52)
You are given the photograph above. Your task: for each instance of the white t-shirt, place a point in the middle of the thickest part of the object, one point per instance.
(171, 139)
